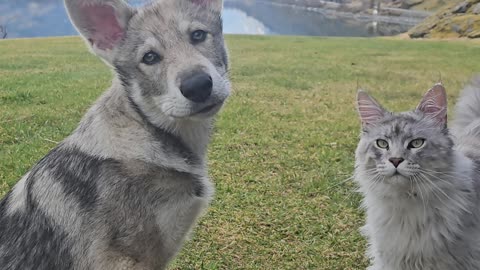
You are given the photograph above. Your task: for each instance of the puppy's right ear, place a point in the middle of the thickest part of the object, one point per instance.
(369, 109)
(102, 23)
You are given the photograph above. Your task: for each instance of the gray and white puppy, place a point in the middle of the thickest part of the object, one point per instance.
(421, 184)
(124, 190)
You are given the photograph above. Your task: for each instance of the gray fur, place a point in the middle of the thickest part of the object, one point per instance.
(124, 190)
(466, 127)
(425, 214)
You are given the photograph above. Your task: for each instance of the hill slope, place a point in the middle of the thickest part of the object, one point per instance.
(427, 5)
(453, 21)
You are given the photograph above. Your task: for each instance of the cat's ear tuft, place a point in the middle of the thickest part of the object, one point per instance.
(369, 109)
(102, 23)
(434, 104)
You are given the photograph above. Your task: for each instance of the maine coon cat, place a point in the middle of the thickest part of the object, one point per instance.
(420, 183)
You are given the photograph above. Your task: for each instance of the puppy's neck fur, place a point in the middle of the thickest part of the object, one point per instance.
(116, 128)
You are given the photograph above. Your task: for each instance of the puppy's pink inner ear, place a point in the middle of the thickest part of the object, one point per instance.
(105, 30)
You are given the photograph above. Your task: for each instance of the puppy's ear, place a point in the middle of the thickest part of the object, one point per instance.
(216, 5)
(102, 23)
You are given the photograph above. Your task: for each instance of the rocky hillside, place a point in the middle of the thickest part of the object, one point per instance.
(421, 5)
(455, 20)
(424, 5)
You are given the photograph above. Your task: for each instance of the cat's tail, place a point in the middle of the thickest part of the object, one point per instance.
(466, 126)
(467, 112)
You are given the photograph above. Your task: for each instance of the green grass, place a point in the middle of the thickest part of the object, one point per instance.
(282, 146)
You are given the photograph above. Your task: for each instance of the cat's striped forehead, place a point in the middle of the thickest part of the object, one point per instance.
(406, 125)
(399, 129)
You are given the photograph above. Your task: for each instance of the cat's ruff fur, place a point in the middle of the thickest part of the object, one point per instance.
(124, 190)
(419, 223)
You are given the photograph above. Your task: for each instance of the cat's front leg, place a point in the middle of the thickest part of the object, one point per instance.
(378, 266)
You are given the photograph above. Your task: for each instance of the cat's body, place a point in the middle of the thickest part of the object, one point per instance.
(421, 184)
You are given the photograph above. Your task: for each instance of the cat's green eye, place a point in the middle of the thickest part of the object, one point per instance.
(382, 144)
(417, 143)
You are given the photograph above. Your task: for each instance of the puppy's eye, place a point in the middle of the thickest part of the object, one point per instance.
(417, 143)
(382, 144)
(198, 36)
(151, 58)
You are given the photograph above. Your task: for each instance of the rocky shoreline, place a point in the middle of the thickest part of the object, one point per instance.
(357, 10)
(458, 19)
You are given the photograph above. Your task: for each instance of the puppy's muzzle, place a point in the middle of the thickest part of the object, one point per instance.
(197, 86)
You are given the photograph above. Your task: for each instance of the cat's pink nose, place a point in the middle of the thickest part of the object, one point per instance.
(396, 161)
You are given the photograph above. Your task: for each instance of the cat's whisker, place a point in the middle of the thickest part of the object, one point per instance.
(438, 194)
(444, 177)
(412, 179)
(439, 189)
(422, 197)
(444, 173)
(350, 178)
(432, 183)
(449, 183)
(433, 191)
(375, 180)
(340, 183)
(425, 176)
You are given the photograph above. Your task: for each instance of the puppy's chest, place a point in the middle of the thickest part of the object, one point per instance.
(160, 208)
(180, 201)
(171, 199)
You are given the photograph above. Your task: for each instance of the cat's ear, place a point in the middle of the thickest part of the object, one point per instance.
(369, 109)
(102, 23)
(434, 104)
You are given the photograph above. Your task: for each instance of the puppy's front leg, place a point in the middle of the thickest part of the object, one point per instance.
(121, 262)
(127, 263)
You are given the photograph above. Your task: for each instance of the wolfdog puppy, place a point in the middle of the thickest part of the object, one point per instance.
(124, 190)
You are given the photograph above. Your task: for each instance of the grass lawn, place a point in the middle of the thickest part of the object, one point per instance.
(283, 146)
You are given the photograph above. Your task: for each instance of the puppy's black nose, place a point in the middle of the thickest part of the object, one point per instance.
(396, 161)
(197, 87)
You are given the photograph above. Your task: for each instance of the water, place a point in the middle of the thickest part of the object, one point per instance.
(42, 18)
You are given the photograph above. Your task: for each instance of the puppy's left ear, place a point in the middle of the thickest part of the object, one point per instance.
(434, 104)
(215, 5)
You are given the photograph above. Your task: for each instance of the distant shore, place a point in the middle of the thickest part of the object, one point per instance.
(354, 11)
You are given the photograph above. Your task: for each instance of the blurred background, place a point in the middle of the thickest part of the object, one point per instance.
(361, 18)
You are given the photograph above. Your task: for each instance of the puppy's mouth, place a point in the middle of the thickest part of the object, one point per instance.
(209, 110)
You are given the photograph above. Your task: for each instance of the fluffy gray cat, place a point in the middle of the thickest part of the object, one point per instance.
(420, 183)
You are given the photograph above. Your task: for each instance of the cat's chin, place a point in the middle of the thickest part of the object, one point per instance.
(398, 180)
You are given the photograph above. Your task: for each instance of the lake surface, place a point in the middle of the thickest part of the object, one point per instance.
(42, 18)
